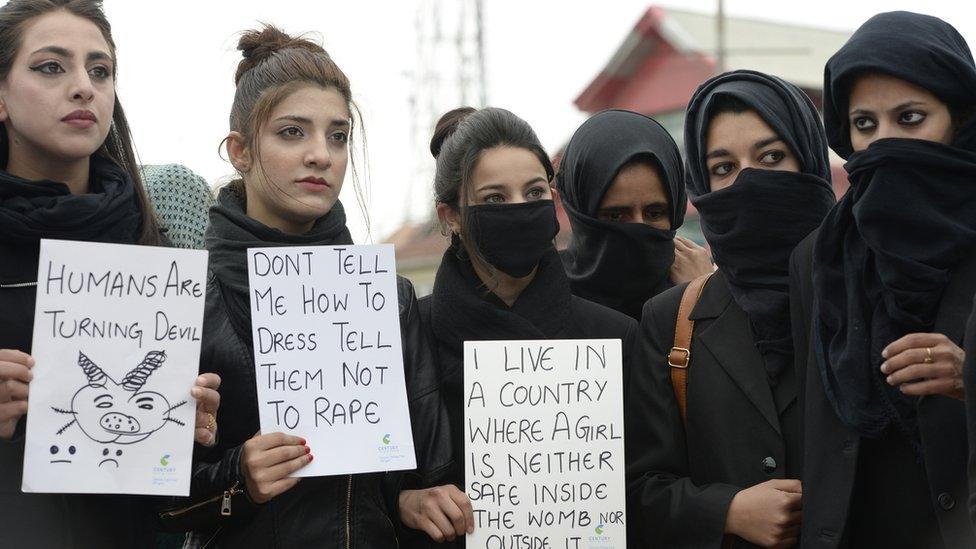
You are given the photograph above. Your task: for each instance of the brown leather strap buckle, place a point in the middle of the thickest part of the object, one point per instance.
(679, 357)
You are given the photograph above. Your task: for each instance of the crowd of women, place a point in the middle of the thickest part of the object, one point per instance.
(807, 388)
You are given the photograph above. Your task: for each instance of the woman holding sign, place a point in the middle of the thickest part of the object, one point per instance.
(716, 454)
(291, 126)
(68, 172)
(501, 279)
(884, 289)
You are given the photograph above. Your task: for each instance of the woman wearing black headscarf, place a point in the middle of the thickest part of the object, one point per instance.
(758, 175)
(883, 291)
(622, 184)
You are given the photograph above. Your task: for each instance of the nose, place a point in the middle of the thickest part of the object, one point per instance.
(317, 155)
(81, 87)
(118, 423)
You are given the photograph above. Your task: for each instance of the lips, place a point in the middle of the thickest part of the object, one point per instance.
(316, 184)
(80, 118)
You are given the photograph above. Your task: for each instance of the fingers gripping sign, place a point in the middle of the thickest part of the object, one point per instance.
(208, 401)
(444, 512)
(15, 377)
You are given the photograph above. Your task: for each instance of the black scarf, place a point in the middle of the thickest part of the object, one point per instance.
(908, 220)
(232, 232)
(462, 308)
(619, 265)
(753, 225)
(890, 244)
(109, 212)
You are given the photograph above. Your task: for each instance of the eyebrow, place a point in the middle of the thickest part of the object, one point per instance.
(656, 203)
(58, 50)
(902, 106)
(99, 397)
(306, 120)
(144, 399)
(757, 145)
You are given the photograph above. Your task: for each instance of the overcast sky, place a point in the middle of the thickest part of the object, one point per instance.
(177, 59)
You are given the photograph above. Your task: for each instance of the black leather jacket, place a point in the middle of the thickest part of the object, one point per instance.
(340, 511)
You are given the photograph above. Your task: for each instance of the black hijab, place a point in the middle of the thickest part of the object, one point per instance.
(753, 225)
(885, 253)
(620, 265)
(232, 232)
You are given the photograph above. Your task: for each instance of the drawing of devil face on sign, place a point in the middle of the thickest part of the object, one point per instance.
(120, 412)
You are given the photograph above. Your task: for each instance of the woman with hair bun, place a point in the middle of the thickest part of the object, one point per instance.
(501, 278)
(291, 126)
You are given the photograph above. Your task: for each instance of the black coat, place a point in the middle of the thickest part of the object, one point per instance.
(53, 520)
(830, 457)
(740, 432)
(339, 511)
(587, 320)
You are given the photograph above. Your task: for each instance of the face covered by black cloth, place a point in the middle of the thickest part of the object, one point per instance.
(885, 253)
(753, 225)
(512, 237)
(232, 232)
(620, 265)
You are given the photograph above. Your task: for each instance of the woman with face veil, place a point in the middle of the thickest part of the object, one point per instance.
(758, 175)
(883, 291)
(621, 183)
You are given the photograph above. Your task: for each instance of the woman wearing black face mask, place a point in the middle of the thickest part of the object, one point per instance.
(501, 279)
(884, 289)
(726, 466)
(622, 184)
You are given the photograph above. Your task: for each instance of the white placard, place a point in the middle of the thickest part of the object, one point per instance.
(544, 443)
(117, 350)
(327, 355)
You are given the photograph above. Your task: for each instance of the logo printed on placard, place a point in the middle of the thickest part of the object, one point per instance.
(599, 529)
(386, 438)
(164, 461)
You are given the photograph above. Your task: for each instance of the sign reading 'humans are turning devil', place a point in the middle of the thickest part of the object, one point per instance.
(117, 349)
(544, 443)
(327, 355)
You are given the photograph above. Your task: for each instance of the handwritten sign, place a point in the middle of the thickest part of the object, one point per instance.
(544, 443)
(117, 349)
(328, 358)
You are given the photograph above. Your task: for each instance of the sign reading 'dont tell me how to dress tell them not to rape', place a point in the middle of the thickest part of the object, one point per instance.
(117, 348)
(327, 355)
(544, 443)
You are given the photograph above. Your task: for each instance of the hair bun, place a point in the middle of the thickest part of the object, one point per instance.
(446, 127)
(257, 45)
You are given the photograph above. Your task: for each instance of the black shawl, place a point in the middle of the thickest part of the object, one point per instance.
(753, 225)
(619, 265)
(885, 253)
(232, 232)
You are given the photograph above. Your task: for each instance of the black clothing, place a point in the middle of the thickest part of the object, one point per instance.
(513, 237)
(743, 424)
(833, 460)
(754, 224)
(920, 49)
(752, 227)
(969, 373)
(335, 511)
(740, 432)
(460, 309)
(784, 107)
(599, 250)
(29, 211)
(893, 263)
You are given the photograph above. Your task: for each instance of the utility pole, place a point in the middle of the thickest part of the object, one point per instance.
(449, 71)
(720, 37)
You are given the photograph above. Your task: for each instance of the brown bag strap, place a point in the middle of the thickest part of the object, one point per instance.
(680, 356)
